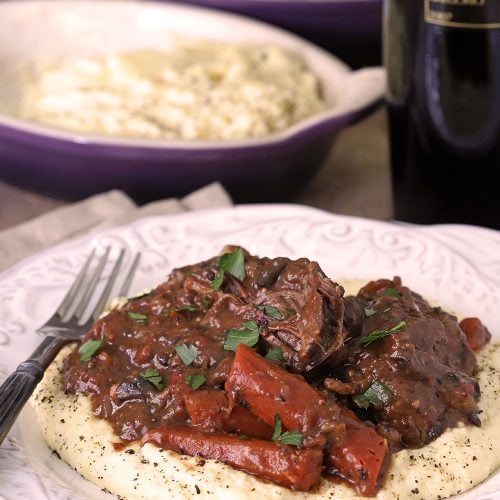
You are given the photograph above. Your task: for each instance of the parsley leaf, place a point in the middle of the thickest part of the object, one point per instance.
(392, 292)
(217, 282)
(180, 309)
(289, 437)
(275, 354)
(88, 349)
(187, 352)
(271, 312)
(137, 316)
(248, 335)
(294, 438)
(369, 311)
(377, 394)
(232, 263)
(196, 381)
(380, 334)
(154, 377)
(277, 427)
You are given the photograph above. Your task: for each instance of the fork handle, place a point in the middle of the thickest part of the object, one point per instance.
(19, 385)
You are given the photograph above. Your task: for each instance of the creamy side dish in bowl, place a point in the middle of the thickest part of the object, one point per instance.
(227, 142)
(197, 90)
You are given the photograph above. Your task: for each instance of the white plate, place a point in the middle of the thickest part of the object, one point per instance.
(458, 265)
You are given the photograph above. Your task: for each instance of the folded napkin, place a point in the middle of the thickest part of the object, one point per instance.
(108, 209)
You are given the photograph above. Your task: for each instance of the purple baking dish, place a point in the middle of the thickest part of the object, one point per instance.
(73, 165)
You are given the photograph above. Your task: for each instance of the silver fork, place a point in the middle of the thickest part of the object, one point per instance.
(63, 327)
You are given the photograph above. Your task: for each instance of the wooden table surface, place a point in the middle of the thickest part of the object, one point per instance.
(355, 179)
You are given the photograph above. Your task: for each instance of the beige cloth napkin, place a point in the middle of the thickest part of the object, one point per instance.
(108, 209)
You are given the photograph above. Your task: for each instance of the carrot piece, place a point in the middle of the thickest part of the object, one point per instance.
(241, 421)
(358, 456)
(361, 459)
(477, 334)
(295, 468)
(207, 409)
(267, 390)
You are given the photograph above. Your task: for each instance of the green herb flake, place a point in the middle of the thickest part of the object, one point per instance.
(275, 354)
(377, 394)
(271, 312)
(206, 303)
(387, 309)
(196, 381)
(187, 352)
(369, 312)
(88, 349)
(392, 292)
(243, 437)
(137, 316)
(233, 263)
(154, 377)
(293, 438)
(217, 282)
(380, 334)
(180, 309)
(277, 428)
(248, 334)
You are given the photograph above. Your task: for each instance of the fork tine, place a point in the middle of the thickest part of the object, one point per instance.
(109, 286)
(130, 276)
(75, 287)
(87, 294)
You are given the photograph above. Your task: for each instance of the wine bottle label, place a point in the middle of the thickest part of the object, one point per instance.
(463, 13)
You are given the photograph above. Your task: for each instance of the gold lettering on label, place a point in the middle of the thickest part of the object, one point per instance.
(460, 3)
(437, 15)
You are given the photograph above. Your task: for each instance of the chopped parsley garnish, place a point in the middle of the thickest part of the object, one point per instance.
(271, 312)
(380, 334)
(248, 334)
(88, 349)
(217, 282)
(369, 311)
(392, 292)
(137, 316)
(277, 428)
(154, 377)
(187, 352)
(232, 263)
(275, 354)
(294, 438)
(377, 394)
(180, 309)
(289, 437)
(196, 381)
(243, 437)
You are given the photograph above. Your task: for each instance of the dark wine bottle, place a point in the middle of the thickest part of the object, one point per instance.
(443, 67)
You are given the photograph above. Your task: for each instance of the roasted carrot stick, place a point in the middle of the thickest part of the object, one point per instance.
(295, 468)
(268, 390)
(361, 458)
(356, 455)
(242, 421)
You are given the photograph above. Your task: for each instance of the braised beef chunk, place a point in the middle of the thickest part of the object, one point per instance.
(411, 369)
(185, 367)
